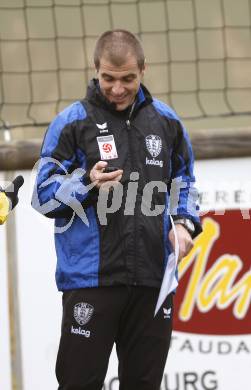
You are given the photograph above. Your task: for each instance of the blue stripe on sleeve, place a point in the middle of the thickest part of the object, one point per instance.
(72, 113)
(164, 109)
(185, 208)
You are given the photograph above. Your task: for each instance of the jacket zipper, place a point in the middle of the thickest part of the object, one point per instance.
(128, 125)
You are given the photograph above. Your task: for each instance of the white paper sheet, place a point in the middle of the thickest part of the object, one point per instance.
(169, 282)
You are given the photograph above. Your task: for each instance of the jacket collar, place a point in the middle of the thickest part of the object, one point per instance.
(95, 96)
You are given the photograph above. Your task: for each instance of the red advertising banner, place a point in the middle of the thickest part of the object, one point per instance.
(214, 292)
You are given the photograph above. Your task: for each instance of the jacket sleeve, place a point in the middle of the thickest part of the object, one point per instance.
(62, 185)
(183, 193)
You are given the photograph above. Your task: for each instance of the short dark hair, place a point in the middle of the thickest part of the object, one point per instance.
(115, 45)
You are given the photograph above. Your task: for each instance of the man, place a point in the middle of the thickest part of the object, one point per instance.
(110, 264)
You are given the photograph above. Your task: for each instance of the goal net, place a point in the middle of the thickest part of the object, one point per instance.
(198, 54)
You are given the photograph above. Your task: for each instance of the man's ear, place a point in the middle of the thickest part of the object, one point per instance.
(143, 69)
(96, 70)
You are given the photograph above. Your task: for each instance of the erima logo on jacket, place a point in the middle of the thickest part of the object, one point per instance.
(102, 127)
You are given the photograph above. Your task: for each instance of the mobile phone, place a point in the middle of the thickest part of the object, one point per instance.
(110, 169)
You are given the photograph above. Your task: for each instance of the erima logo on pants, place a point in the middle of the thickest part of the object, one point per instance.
(80, 331)
(167, 312)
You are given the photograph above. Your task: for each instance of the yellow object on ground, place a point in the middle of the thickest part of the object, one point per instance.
(4, 207)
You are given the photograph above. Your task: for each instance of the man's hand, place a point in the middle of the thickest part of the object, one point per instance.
(184, 239)
(98, 177)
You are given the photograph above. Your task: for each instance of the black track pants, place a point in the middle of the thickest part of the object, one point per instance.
(95, 318)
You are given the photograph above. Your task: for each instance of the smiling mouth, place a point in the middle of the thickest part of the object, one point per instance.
(118, 100)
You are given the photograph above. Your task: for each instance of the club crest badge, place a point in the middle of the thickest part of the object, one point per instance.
(83, 312)
(154, 145)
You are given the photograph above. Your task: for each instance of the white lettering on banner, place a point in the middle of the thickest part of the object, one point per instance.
(225, 195)
(188, 380)
(81, 332)
(207, 346)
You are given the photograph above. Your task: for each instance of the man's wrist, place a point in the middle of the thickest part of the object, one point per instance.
(187, 224)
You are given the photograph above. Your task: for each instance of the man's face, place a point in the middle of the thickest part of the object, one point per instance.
(120, 84)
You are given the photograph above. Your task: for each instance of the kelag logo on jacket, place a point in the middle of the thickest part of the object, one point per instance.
(214, 294)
